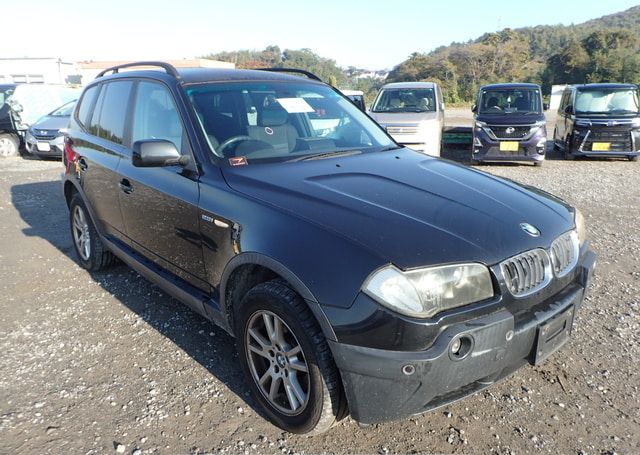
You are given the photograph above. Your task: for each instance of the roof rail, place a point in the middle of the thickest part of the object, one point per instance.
(170, 69)
(309, 74)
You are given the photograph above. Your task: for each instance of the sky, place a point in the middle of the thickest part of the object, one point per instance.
(371, 34)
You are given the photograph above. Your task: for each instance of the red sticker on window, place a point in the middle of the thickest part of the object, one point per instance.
(238, 161)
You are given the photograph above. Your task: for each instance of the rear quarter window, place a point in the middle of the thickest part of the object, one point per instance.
(86, 105)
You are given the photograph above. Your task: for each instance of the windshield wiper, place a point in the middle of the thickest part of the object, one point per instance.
(393, 147)
(623, 111)
(320, 156)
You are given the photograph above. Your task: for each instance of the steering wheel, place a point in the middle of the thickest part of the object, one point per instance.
(232, 140)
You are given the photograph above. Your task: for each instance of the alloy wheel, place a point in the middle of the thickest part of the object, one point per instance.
(277, 363)
(81, 235)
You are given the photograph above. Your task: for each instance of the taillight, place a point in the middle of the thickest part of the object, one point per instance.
(70, 155)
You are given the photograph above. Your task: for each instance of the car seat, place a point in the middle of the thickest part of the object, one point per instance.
(273, 128)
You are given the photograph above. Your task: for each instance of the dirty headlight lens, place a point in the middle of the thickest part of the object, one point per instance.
(580, 226)
(423, 293)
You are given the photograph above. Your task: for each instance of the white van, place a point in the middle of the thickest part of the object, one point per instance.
(412, 113)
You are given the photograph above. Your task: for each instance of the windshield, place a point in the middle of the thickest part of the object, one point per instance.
(405, 100)
(509, 101)
(64, 110)
(607, 101)
(276, 121)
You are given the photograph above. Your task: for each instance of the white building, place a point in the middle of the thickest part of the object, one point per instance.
(38, 71)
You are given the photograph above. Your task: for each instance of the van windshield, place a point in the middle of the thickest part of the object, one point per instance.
(405, 100)
(509, 101)
(607, 101)
(282, 121)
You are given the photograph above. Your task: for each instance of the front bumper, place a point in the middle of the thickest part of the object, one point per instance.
(384, 385)
(487, 148)
(44, 146)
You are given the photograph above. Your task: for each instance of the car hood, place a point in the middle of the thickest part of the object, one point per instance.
(51, 123)
(403, 117)
(510, 119)
(409, 209)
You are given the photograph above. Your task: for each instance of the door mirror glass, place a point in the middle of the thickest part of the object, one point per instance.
(568, 110)
(545, 106)
(474, 108)
(156, 153)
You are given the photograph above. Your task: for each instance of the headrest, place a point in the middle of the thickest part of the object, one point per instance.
(273, 116)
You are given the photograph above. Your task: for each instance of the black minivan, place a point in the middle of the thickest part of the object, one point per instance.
(358, 276)
(599, 120)
(509, 124)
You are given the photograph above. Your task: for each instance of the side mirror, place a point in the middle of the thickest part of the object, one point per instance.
(568, 110)
(156, 153)
(474, 108)
(545, 106)
(442, 106)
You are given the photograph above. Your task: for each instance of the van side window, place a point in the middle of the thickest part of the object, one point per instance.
(84, 110)
(155, 115)
(564, 102)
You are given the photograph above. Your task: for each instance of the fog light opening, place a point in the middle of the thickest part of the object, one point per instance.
(460, 347)
(408, 370)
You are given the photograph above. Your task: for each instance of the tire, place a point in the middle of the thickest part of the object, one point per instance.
(92, 254)
(319, 401)
(538, 163)
(9, 145)
(634, 158)
(475, 162)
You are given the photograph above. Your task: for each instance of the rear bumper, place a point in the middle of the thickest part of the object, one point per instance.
(378, 387)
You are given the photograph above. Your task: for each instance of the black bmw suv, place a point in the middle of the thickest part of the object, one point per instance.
(357, 276)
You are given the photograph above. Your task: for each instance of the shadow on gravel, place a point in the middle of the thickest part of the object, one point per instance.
(42, 207)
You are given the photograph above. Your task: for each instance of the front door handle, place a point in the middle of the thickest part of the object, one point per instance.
(82, 164)
(125, 185)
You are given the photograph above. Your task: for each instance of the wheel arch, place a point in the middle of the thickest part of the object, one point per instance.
(249, 269)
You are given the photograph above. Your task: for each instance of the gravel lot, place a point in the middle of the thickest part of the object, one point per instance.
(107, 363)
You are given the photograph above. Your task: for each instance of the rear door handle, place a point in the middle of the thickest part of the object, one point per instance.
(125, 185)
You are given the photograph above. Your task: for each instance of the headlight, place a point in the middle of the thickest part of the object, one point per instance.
(635, 122)
(423, 293)
(480, 125)
(578, 218)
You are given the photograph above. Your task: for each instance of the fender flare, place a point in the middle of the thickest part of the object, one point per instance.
(296, 284)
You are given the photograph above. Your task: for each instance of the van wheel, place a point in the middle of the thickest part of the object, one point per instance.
(634, 158)
(9, 145)
(91, 252)
(538, 163)
(287, 360)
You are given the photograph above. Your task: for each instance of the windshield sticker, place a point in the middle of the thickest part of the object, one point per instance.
(238, 161)
(295, 105)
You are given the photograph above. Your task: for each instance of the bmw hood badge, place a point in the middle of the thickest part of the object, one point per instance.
(529, 229)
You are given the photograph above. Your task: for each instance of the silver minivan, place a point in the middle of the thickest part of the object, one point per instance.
(412, 113)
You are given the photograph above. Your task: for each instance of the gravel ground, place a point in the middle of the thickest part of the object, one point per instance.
(107, 363)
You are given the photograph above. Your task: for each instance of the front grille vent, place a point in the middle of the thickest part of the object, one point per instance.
(511, 132)
(564, 253)
(527, 272)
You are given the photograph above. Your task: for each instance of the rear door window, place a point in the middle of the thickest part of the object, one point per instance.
(113, 111)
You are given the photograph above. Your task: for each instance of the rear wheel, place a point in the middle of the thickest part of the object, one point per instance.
(91, 252)
(9, 145)
(285, 355)
(634, 158)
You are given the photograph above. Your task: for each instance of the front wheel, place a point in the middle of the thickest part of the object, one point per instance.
(634, 158)
(9, 145)
(287, 360)
(538, 163)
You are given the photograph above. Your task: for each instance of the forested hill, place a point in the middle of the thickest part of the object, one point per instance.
(603, 49)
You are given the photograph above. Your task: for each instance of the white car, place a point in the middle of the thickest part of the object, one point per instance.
(412, 113)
